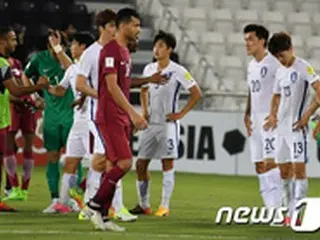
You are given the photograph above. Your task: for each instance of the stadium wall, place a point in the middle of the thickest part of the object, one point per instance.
(211, 142)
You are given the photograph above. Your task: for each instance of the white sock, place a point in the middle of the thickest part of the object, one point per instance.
(287, 194)
(299, 191)
(68, 181)
(117, 202)
(264, 189)
(93, 184)
(167, 187)
(275, 189)
(143, 190)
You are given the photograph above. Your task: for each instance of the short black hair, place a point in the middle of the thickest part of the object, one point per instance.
(167, 38)
(4, 31)
(125, 16)
(85, 38)
(279, 42)
(261, 32)
(104, 17)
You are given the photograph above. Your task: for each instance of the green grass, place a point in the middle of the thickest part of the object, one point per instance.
(193, 208)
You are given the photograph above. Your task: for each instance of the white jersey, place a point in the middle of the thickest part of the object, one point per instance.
(69, 80)
(89, 67)
(261, 78)
(164, 98)
(292, 83)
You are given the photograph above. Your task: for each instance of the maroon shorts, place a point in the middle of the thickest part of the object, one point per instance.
(22, 119)
(116, 138)
(3, 136)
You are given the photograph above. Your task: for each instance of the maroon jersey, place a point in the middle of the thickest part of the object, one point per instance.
(114, 59)
(16, 69)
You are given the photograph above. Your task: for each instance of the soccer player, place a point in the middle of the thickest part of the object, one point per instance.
(58, 113)
(260, 77)
(160, 105)
(8, 43)
(23, 117)
(115, 114)
(78, 139)
(289, 104)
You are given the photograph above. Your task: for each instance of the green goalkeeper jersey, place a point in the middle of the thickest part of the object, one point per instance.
(43, 64)
(5, 74)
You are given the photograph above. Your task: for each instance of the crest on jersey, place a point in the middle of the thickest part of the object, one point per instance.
(263, 71)
(294, 77)
(109, 62)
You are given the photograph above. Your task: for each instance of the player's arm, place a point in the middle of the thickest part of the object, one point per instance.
(144, 99)
(18, 91)
(15, 100)
(55, 43)
(58, 90)
(272, 120)
(61, 89)
(122, 101)
(247, 120)
(156, 78)
(83, 86)
(187, 81)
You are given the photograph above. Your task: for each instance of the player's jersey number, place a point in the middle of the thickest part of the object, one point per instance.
(255, 86)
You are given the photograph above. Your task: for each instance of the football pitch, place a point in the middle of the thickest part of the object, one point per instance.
(193, 208)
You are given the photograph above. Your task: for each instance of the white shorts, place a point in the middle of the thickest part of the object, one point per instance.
(98, 145)
(78, 140)
(292, 148)
(160, 141)
(263, 145)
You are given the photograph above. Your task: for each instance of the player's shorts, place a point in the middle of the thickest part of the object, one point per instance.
(22, 119)
(98, 144)
(292, 148)
(3, 139)
(262, 143)
(55, 133)
(78, 140)
(160, 141)
(117, 141)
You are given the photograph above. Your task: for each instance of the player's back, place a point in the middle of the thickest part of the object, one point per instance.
(114, 59)
(261, 78)
(294, 82)
(89, 67)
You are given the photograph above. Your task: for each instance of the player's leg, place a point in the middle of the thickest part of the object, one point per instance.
(53, 143)
(300, 180)
(117, 140)
(283, 157)
(272, 172)
(143, 183)
(10, 162)
(167, 187)
(3, 133)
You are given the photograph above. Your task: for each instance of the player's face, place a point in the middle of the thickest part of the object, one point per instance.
(132, 29)
(161, 50)
(285, 57)
(110, 28)
(76, 49)
(253, 43)
(11, 43)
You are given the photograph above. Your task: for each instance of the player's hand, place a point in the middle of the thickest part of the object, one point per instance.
(138, 121)
(146, 115)
(43, 82)
(40, 103)
(55, 39)
(271, 122)
(174, 117)
(248, 124)
(157, 78)
(79, 103)
(316, 131)
(299, 125)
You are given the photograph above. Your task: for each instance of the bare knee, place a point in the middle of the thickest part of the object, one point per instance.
(53, 156)
(125, 165)
(167, 164)
(299, 170)
(71, 165)
(286, 171)
(98, 162)
(260, 167)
